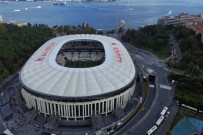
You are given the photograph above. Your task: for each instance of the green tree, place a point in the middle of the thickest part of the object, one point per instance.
(3, 29)
(201, 63)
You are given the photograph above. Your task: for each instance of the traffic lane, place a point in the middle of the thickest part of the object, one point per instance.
(167, 123)
(147, 107)
(164, 94)
(163, 79)
(148, 57)
(149, 62)
(149, 100)
(127, 45)
(178, 53)
(162, 101)
(155, 112)
(138, 91)
(151, 119)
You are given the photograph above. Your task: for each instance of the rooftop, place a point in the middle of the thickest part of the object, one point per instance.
(41, 74)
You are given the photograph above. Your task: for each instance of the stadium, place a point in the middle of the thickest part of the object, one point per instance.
(78, 76)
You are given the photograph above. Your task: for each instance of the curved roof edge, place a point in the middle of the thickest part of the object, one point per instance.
(79, 99)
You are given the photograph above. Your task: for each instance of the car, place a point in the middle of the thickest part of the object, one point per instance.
(110, 132)
(120, 123)
(142, 109)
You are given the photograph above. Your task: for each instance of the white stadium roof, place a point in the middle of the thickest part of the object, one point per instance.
(43, 75)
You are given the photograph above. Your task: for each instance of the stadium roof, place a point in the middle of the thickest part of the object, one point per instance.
(43, 75)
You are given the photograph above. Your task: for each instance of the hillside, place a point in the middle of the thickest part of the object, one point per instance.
(190, 86)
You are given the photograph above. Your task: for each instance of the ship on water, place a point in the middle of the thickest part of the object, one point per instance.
(59, 3)
(3, 2)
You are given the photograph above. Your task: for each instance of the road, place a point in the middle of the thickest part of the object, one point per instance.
(149, 100)
(157, 97)
(177, 53)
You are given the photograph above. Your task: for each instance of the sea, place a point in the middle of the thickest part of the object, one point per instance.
(100, 15)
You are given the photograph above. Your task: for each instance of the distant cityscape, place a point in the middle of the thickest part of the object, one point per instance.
(194, 22)
(6, 1)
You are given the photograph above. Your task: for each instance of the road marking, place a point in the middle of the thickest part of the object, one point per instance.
(151, 86)
(165, 87)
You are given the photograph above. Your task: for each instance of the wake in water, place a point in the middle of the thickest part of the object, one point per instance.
(99, 8)
(18, 10)
(33, 7)
(169, 13)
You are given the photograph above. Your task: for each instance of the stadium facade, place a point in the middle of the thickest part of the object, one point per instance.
(78, 92)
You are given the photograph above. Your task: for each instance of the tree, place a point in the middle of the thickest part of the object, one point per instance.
(18, 43)
(199, 36)
(3, 29)
(200, 64)
(3, 73)
(190, 68)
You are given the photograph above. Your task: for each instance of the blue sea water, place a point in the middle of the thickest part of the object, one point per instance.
(136, 13)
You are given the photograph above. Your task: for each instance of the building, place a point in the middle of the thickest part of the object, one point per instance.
(21, 24)
(197, 27)
(181, 19)
(78, 76)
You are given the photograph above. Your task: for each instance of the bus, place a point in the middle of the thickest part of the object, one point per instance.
(152, 130)
(163, 112)
(190, 108)
(159, 121)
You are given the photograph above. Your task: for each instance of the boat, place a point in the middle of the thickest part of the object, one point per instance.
(17, 10)
(39, 7)
(59, 3)
(3, 2)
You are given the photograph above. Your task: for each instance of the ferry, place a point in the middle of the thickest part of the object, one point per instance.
(59, 3)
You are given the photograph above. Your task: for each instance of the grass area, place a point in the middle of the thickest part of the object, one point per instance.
(188, 98)
(189, 115)
(161, 52)
(176, 120)
(82, 64)
(189, 89)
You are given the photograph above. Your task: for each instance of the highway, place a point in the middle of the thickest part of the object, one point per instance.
(157, 97)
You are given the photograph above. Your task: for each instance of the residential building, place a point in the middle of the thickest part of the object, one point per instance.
(181, 19)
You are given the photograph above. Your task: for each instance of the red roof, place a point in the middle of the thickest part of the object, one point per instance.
(198, 27)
